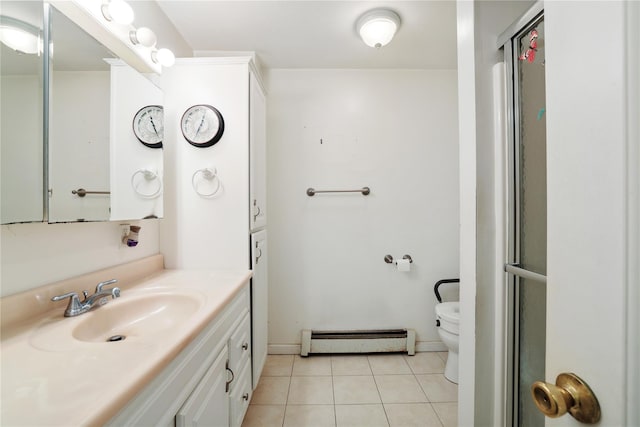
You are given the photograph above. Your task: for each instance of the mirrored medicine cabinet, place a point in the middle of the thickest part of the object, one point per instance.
(68, 148)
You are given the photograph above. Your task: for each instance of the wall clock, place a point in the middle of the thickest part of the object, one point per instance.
(202, 125)
(148, 125)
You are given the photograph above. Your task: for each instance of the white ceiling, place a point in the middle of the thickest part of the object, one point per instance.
(318, 34)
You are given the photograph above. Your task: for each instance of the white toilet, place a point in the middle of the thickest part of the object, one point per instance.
(448, 315)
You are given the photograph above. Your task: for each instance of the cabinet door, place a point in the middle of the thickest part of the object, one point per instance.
(259, 303)
(240, 346)
(257, 154)
(208, 405)
(240, 396)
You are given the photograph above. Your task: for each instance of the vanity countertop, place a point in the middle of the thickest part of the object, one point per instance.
(51, 378)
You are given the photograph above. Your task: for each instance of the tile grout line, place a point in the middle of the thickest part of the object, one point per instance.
(379, 394)
(286, 402)
(333, 392)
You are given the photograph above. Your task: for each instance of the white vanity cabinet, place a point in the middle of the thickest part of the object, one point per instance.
(208, 383)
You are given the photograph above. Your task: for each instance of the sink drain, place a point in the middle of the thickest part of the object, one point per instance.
(116, 338)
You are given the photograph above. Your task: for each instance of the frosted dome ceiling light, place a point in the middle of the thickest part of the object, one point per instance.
(164, 57)
(118, 11)
(143, 36)
(377, 27)
(19, 36)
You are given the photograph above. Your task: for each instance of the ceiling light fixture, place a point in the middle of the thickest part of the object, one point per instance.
(164, 57)
(143, 36)
(118, 11)
(20, 36)
(378, 26)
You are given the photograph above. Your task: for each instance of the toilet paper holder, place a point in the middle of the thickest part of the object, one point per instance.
(389, 259)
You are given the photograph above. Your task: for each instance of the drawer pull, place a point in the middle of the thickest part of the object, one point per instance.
(245, 346)
(245, 396)
(228, 383)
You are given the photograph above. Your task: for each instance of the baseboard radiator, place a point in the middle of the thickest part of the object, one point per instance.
(374, 341)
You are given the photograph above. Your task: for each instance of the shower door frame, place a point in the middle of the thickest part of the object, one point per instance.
(507, 41)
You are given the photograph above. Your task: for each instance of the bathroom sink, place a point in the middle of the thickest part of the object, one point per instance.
(137, 316)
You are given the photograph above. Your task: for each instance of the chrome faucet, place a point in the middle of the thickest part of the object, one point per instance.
(77, 307)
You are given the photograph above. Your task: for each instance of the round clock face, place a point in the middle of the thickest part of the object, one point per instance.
(202, 125)
(148, 125)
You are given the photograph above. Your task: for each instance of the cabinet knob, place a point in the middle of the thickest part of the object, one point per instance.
(245, 346)
(245, 396)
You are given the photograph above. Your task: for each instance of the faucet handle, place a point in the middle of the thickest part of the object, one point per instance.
(101, 285)
(72, 295)
(74, 307)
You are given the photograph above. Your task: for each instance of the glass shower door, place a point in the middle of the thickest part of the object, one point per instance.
(529, 218)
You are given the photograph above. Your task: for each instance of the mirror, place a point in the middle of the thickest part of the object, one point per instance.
(21, 112)
(98, 169)
(79, 94)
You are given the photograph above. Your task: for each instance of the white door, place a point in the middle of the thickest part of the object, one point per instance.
(588, 229)
(592, 162)
(257, 154)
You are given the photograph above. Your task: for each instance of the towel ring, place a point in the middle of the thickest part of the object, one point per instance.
(148, 175)
(210, 174)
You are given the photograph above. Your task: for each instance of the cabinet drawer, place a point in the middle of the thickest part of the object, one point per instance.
(240, 345)
(240, 396)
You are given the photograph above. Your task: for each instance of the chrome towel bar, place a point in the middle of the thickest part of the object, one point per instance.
(81, 192)
(364, 190)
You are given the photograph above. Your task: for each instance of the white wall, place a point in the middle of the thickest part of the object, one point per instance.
(394, 131)
(207, 232)
(38, 254)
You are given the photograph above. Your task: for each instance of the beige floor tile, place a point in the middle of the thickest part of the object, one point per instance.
(355, 389)
(425, 363)
(271, 391)
(399, 389)
(388, 364)
(438, 388)
(309, 415)
(448, 413)
(350, 365)
(311, 365)
(443, 355)
(278, 365)
(411, 414)
(310, 391)
(264, 416)
(361, 416)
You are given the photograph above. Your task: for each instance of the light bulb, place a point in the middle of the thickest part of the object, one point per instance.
(143, 36)
(164, 57)
(118, 11)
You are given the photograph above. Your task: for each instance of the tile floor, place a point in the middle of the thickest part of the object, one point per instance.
(354, 391)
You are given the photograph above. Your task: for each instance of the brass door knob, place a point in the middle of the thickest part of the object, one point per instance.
(569, 394)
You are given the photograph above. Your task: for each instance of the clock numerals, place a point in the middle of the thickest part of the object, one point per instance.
(202, 125)
(148, 125)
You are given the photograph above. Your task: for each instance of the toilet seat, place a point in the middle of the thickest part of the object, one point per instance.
(448, 313)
